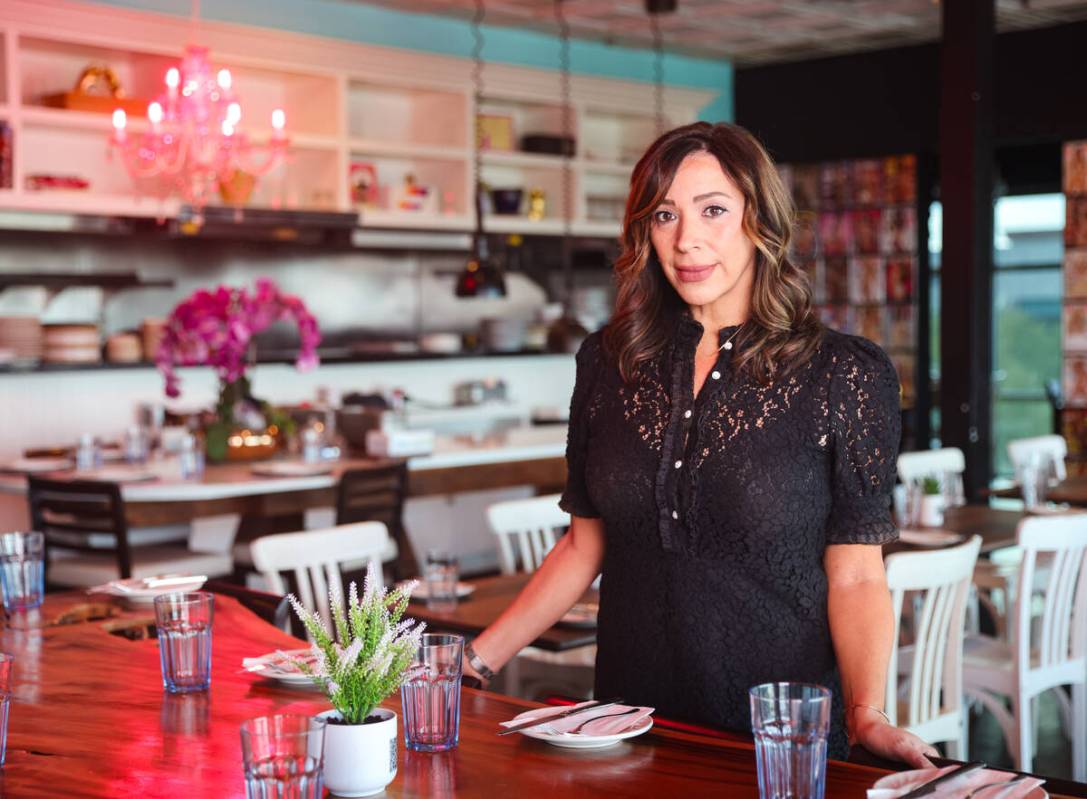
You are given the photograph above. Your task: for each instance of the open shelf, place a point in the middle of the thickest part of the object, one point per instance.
(407, 149)
(520, 159)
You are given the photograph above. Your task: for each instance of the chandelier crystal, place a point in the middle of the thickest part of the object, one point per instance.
(193, 143)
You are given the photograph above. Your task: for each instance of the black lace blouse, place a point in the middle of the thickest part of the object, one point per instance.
(717, 511)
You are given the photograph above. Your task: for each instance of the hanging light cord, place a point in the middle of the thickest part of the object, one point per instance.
(568, 135)
(658, 71)
(477, 82)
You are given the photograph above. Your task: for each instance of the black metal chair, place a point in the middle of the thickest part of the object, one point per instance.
(378, 495)
(87, 539)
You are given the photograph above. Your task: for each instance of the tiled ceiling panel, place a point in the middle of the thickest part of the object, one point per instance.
(750, 31)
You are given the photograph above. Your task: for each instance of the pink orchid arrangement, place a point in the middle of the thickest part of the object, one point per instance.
(216, 328)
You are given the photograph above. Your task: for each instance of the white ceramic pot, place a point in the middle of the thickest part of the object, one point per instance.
(360, 759)
(932, 510)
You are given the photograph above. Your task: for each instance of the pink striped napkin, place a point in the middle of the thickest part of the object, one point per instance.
(609, 721)
(895, 785)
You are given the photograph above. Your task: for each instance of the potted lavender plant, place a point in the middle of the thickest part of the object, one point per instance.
(363, 659)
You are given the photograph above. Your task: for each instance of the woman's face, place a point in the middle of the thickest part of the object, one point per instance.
(698, 236)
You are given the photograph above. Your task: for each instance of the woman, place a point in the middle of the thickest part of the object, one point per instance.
(730, 465)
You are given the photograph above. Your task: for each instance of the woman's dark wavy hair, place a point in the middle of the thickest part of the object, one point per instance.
(783, 330)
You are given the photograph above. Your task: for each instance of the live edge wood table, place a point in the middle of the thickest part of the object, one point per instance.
(89, 718)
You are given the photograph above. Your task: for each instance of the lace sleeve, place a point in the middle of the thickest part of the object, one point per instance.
(865, 425)
(575, 499)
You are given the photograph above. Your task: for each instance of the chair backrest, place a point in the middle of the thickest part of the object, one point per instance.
(314, 557)
(272, 608)
(377, 495)
(1021, 449)
(68, 512)
(942, 579)
(930, 463)
(528, 523)
(1061, 543)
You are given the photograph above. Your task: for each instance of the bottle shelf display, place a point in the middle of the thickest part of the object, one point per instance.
(856, 238)
(385, 133)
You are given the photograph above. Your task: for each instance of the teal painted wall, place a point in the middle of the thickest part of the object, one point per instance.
(356, 21)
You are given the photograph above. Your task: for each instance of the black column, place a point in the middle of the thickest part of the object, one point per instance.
(966, 191)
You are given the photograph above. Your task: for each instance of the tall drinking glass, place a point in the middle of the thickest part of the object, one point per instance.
(7, 663)
(183, 622)
(22, 570)
(284, 757)
(790, 722)
(440, 573)
(431, 695)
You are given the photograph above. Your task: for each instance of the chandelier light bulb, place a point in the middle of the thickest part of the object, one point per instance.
(155, 113)
(224, 79)
(234, 113)
(227, 128)
(279, 120)
(173, 79)
(120, 119)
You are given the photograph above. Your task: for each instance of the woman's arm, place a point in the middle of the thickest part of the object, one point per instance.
(559, 582)
(861, 627)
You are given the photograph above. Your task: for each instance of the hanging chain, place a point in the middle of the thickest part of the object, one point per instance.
(568, 136)
(477, 83)
(658, 71)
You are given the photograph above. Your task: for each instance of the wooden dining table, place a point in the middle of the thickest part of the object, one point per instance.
(1071, 490)
(89, 718)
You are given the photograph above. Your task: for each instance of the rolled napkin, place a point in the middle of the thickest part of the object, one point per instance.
(900, 784)
(609, 721)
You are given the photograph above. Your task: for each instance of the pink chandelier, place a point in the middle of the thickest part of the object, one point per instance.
(193, 143)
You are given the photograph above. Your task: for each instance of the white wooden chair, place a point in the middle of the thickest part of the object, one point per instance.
(315, 558)
(529, 525)
(994, 669)
(526, 530)
(933, 708)
(934, 463)
(1055, 447)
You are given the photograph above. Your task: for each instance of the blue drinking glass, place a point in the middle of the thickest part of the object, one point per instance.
(22, 570)
(431, 695)
(790, 722)
(183, 623)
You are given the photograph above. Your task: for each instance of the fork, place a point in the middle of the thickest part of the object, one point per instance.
(1007, 784)
(577, 729)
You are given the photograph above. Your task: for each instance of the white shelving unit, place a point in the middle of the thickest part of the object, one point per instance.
(396, 114)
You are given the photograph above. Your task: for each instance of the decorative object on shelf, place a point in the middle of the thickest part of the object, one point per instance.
(549, 144)
(537, 204)
(124, 347)
(482, 275)
(494, 132)
(416, 197)
(236, 188)
(7, 156)
(216, 328)
(506, 201)
(98, 90)
(365, 656)
(194, 144)
(364, 185)
(38, 182)
(566, 333)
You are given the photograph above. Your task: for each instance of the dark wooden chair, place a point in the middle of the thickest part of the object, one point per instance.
(272, 608)
(87, 540)
(378, 495)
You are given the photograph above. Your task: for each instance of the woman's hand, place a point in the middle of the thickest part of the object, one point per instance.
(468, 671)
(890, 742)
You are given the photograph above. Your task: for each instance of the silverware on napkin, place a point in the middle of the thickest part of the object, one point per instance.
(932, 785)
(526, 725)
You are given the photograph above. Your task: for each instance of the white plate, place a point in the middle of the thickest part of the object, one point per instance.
(422, 592)
(275, 669)
(134, 589)
(33, 465)
(117, 474)
(894, 782)
(930, 538)
(578, 741)
(291, 469)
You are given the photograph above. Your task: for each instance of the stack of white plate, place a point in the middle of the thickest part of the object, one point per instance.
(76, 343)
(22, 336)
